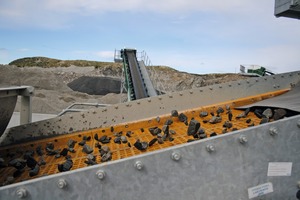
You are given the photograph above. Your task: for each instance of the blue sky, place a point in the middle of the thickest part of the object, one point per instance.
(196, 36)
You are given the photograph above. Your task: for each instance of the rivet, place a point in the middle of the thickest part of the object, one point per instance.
(243, 139)
(100, 174)
(210, 148)
(273, 131)
(138, 165)
(21, 193)
(298, 123)
(176, 156)
(62, 183)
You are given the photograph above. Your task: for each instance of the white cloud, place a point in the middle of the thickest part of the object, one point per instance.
(57, 13)
(105, 54)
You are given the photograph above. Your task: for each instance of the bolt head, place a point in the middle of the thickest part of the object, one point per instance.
(175, 156)
(100, 174)
(139, 165)
(210, 148)
(273, 131)
(243, 139)
(21, 193)
(61, 183)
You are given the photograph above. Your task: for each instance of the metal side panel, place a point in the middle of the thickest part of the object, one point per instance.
(150, 107)
(222, 167)
(7, 106)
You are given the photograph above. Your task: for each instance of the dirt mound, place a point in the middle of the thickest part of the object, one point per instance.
(96, 85)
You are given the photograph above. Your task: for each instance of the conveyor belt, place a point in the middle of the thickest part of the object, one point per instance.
(140, 131)
(138, 84)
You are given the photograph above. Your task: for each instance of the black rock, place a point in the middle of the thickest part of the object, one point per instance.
(82, 142)
(71, 143)
(248, 121)
(106, 157)
(117, 140)
(279, 114)
(193, 127)
(205, 121)
(213, 134)
(174, 113)
(165, 129)
(227, 124)
(268, 113)
(234, 129)
(172, 132)
(258, 113)
(160, 141)
(129, 145)
(50, 145)
(66, 166)
(72, 150)
(203, 114)
(201, 131)
(17, 163)
(39, 150)
(152, 131)
(142, 130)
(229, 115)
(34, 171)
(264, 120)
(98, 145)
(96, 137)
(152, 141)
(141, 145)
(215, 120)
(87, 149)
(202, 136)
(182, 117)
(64, 152)
(104, 139)
(124, 139)
(220, 110)
(41, 161)
(190, 140)
(129, 133)
(52, 152)
(31, 162)
(169, 122)
(212, 113)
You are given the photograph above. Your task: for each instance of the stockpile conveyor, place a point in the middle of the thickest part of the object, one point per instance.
(195, 144)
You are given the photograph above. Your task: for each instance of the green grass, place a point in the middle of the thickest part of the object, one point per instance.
(50, 62)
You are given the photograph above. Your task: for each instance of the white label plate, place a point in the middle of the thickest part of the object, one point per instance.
(260, 190)
(280, 169)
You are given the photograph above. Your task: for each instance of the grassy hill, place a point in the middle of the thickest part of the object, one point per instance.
(50, 62)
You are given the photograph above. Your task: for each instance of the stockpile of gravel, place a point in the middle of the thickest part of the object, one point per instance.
(96, 85)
